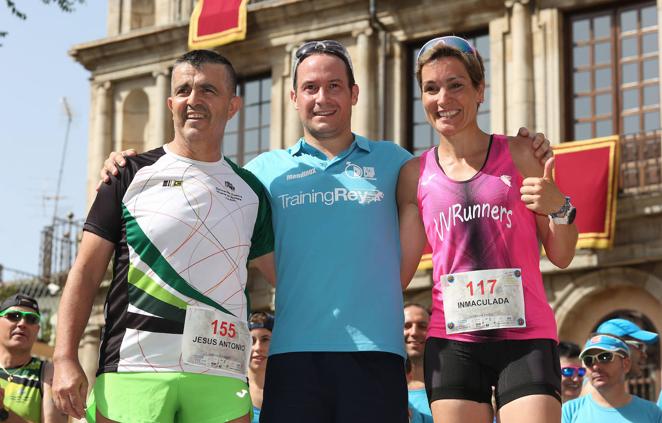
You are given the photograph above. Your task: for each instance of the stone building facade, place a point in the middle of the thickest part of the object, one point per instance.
(573, 69)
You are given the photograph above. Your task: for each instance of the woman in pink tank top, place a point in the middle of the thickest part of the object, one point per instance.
(482, 202)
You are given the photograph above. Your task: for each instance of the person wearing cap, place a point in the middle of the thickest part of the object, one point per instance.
(572, 371)
(607, 359)
(339, 292)
(636, 338)
(25, 381)
(260, 324)
(483, 202)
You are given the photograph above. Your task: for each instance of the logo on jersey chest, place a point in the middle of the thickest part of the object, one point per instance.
(331, 197)
(458, 213)
(301, 175)
(172, 183)
(355, 171)
(228, 192)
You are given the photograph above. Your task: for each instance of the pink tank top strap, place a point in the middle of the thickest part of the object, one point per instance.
(427, 166)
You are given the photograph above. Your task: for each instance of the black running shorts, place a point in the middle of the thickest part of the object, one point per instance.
(335, 387)
(468, 370)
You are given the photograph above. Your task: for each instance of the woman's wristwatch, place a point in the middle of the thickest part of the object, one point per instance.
(566, 215)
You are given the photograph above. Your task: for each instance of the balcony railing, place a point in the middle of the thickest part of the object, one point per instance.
(59, 246)
(640, 163)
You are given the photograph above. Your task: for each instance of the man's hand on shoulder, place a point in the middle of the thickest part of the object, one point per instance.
(110, 165)
(541, 146)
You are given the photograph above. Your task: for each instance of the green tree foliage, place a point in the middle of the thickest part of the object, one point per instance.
(64, 5)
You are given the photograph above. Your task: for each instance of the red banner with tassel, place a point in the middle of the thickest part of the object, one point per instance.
(217, 22)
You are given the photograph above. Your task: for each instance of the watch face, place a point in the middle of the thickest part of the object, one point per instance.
(571, 215)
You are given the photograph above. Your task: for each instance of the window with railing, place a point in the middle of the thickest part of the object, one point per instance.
(614, 88)
(422, 136)
(247, 133)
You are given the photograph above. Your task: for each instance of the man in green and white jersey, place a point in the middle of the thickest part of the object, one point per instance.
(182, 222)
(25, 380)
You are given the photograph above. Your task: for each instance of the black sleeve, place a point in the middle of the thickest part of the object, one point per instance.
(105, 216)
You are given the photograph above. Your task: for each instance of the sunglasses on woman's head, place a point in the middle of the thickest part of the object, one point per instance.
(571, 370)
(603, 357)
(452, 41)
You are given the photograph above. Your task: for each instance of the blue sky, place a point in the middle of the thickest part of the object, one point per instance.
(37, 72)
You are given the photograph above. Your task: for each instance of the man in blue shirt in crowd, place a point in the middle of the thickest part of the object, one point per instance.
(417, 319)
(607, 359)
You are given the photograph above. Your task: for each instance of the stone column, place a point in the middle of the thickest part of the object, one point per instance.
(161, 111)
(549, 78)
(520, 98)
(396, 88)
(365, 117)
(499, 28)
(114, 20)
(99, 143)
(185, 9)
(280, 103)
(292, 129)
(125, 16)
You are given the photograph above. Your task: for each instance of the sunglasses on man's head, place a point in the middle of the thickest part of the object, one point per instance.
(329, 46)
(570, 371)
(15, 316)
(452, 41)
(324, 46)
(603, 357)
(637, 345)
